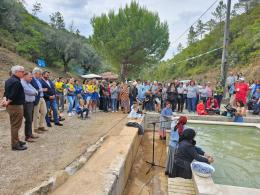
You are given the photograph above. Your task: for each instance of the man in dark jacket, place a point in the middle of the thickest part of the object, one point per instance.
(14, 100)
(40, 109)
(133, 93)
(50, 99)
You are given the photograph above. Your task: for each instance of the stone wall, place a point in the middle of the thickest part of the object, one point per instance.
(107, 171)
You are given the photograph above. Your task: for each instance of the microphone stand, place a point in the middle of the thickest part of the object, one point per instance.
(152, 163)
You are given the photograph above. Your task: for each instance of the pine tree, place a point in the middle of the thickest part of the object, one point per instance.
(220, 12)
(77, 32)
(245, 5)
(192, 36)
(131, 38)
(179, 47)
(36, 8)
(72, 27)
(210, 25)
(200, 28)
(57, 20)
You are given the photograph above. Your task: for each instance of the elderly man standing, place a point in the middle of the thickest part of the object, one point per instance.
(30, 94)
(40, 109)
(15, 98)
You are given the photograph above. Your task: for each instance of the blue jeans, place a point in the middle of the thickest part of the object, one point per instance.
(256, 108)
(114, 104)
(192, 104)
(131, 101)
(76, 101)
(239, 119)
(53, 105)
(148, 106)
(71, 100)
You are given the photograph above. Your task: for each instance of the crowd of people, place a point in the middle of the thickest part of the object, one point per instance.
(41, 101)
(243, 96)
(32, 96)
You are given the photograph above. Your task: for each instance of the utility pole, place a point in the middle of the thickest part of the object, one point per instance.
(224, 62)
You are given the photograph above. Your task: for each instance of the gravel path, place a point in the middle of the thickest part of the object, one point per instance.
(54, 150)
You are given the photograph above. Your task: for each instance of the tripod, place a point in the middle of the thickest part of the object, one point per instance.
(153, 163)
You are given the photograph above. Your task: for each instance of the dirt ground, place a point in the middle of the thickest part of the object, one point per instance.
(155, 182)
(54, 150)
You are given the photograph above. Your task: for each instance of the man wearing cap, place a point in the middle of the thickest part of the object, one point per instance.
(241, 89)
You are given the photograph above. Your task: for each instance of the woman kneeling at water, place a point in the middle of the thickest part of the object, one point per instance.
(186, 153)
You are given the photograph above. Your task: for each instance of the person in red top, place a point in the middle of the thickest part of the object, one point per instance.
(201, 108)
(212, 106)
(241, 89)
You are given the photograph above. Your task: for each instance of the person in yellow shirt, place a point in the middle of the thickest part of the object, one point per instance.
(95, 95)
(71, 95)
(88, 92)
(59, 87)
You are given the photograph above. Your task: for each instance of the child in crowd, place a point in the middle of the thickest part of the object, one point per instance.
(81, 109)
(135, 112)
(212, 106)
(240, 112)
(165, 119)
(201, 108)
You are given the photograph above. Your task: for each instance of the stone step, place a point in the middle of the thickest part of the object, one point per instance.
(180, 186)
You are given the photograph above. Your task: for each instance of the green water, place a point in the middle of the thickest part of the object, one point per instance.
(236, 151)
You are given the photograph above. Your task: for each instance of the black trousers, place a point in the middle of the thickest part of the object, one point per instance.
(204, 99)
(28, 115)
(180, 102)
(84, 112)
(104, 103)
(174, 102)
(185, 101)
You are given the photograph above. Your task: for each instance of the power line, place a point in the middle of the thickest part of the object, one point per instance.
(197, 19)
(198, 56)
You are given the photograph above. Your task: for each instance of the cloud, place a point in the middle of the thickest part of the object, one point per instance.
(178, 14)
(68, 4)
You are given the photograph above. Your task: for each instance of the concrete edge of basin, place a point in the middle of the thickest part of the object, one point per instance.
(225, 123)
(152, 117)
(206, 186)
(61, 176)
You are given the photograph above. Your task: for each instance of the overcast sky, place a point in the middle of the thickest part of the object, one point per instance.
(179, 14)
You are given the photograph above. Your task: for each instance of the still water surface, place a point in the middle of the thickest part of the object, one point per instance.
(236, 151)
